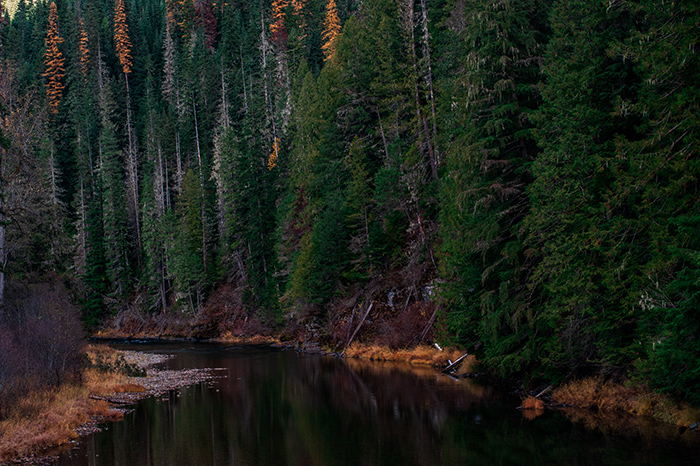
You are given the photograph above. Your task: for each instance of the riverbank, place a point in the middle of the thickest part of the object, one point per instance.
(598, 395)
(586, 398)
(46, 422)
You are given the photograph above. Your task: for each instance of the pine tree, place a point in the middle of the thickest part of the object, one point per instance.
(53, 61)
(111, 185)
(123, 46)
(188, 267)
(169, 86)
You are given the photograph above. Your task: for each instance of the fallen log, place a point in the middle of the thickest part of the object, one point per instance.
(430, 323)
(357, 329)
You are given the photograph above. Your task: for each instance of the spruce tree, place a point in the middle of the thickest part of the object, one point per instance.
(663, 177)
(583, 224)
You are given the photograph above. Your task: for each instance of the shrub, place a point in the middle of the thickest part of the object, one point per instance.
(41, 340)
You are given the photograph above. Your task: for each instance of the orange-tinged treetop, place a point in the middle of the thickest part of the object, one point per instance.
(54, 61)
(83, 49)
(277, 28)
(331, 30)
(272, 159)
(121, 36)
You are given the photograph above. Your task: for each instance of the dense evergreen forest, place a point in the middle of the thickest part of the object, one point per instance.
(533, 161)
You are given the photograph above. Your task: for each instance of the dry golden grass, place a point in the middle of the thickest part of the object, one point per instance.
(46, 419)
(102, 383)
(419, 355)
(608, 397)
(101, 354)
(129, 388)
(229, 337)
(532, 403)
(532, 407)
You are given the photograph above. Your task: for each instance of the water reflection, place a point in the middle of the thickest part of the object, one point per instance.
(284, 408)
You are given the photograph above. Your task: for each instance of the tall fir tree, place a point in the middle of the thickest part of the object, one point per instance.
(663, 179)
(582, 226)
(496, 49)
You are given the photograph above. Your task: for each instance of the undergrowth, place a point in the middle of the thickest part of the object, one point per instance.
(599, 394)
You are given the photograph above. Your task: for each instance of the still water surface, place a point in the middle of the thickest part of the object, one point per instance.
(275, 407)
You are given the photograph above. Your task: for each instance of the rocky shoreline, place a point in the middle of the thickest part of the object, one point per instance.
(156, 383)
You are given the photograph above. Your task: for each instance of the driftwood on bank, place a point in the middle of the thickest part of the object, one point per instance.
(454, 364)
(357, 329)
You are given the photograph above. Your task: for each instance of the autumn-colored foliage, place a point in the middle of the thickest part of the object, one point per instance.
(54, 61)
(298, 7)
(170, 14)
(277, 28)
(331, 29)
(84, 51)
(181, 12)
(272, 159)
(121, 36)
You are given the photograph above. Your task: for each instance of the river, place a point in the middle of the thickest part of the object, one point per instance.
(280, 407)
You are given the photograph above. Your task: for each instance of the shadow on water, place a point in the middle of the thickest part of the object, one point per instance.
(277, 407)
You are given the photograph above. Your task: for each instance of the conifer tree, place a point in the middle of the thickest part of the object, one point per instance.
(331, 30)
(53, 61)
(188, 267)
(111, 184)
(168, 87)
(123, 46)
(664, 171)
(491, 99)
(298, 7)
(582, 226)
(278, 30)
(121, 37)
(83, 50)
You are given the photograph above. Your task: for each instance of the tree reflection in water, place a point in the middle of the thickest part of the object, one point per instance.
(279, 408)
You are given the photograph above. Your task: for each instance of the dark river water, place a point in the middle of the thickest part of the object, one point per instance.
(276, 407)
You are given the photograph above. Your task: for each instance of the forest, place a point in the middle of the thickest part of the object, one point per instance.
(533, 162)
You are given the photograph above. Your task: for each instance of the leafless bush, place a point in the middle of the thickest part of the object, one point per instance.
(41, 340)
